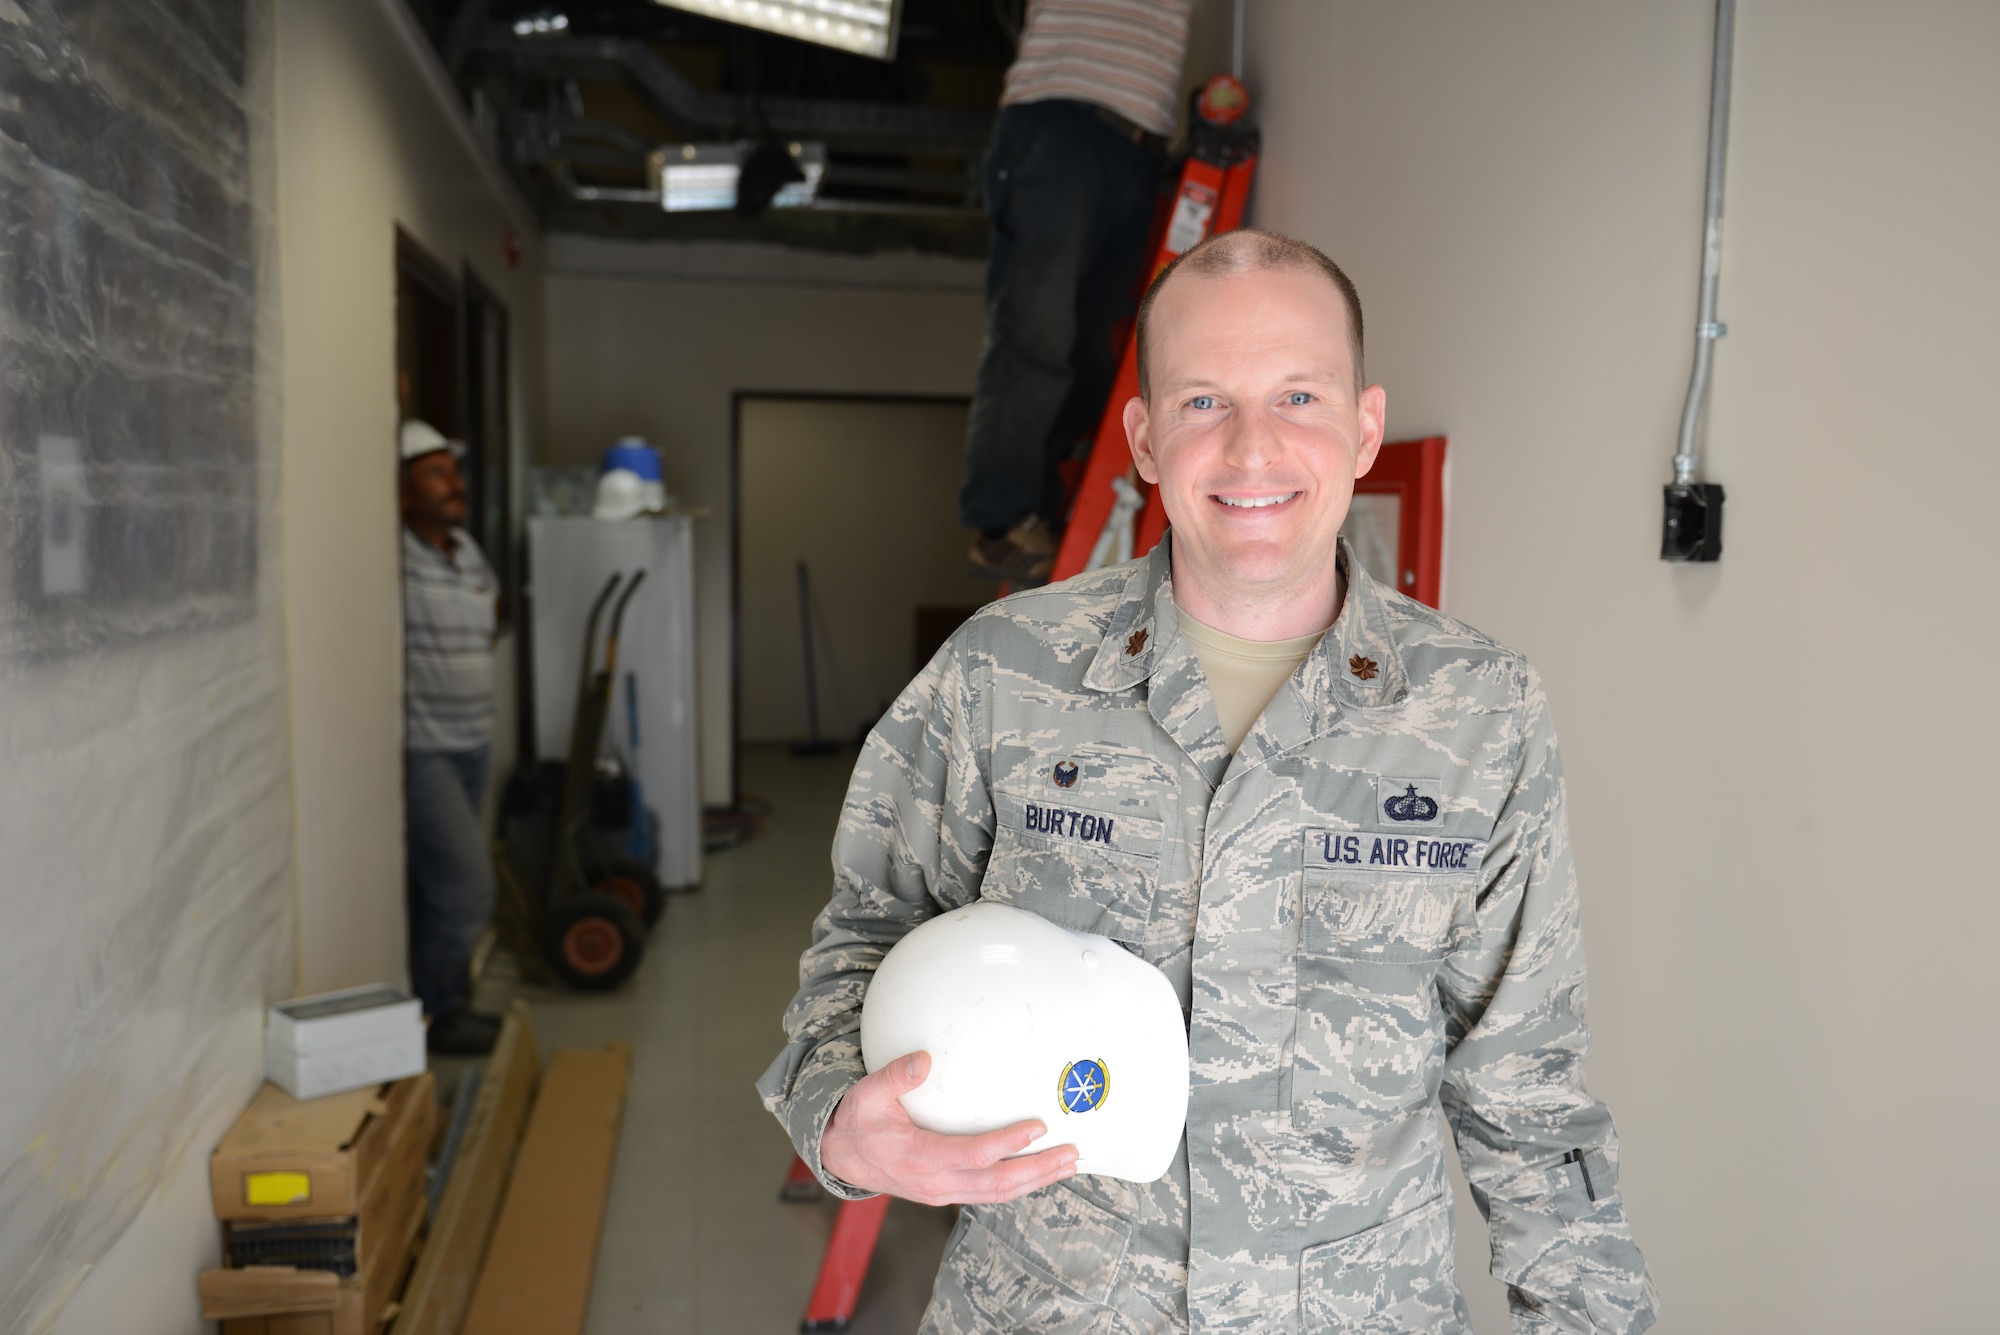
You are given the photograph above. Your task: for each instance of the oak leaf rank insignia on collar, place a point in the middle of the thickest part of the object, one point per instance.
(1136, 643)
(1364, 668)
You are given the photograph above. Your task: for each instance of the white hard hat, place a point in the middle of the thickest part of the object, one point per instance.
(621, 494)
(421, 438)
(1023, 1019)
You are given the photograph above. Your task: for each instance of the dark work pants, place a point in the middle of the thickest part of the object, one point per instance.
(451, 873)
(1071, 203)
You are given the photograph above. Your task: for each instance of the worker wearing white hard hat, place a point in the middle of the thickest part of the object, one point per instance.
(1331, 818)
(450, 611)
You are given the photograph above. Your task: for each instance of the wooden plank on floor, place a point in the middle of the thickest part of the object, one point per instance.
(538, 1271)
(441, 1288)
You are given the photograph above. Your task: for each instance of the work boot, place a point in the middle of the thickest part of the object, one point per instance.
(463, 1033)
(1023, 555)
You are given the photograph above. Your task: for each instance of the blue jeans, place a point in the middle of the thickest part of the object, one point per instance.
(1071, 204)
(451, 872)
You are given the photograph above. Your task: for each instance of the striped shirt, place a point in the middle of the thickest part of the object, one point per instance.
(1124, 55)
(448, 621)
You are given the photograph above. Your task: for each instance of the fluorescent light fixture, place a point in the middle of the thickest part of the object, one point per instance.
(697, 178)
(865, 27)
(541, 23)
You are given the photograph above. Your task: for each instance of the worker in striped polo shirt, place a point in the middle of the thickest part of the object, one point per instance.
(449, 611)
(1085, 115)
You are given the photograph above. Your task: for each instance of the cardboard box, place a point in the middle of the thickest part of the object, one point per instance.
(434, 1303)
(536, 1280)
(362, 1160)
(290, 1158)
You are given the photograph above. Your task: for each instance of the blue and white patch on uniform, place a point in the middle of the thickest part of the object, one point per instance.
(1360, 850)
(1407, 803)
(1084, 1085)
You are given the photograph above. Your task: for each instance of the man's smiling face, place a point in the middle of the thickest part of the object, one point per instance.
(1255, 430)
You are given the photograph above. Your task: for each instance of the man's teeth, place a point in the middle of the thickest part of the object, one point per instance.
(1255, 502)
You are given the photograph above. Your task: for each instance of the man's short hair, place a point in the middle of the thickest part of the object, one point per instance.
(1245, 251)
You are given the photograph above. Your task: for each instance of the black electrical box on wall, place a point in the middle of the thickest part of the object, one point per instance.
(1693, 528)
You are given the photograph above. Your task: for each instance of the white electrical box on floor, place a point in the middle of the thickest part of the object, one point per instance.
(651, 720)
(343, 1040)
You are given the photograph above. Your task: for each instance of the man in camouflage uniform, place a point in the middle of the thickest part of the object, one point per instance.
(1367, 906)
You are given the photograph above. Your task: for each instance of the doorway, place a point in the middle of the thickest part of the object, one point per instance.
(863, 493)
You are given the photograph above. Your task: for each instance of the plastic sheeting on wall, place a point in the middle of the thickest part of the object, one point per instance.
(145, 813)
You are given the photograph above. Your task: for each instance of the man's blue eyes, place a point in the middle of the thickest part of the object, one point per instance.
(1201, 403)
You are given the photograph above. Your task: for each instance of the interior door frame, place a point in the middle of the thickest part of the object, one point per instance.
(1413, 470)
(737, 399)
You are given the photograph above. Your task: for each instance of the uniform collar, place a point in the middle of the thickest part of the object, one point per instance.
(1143, 622)
(1356, 665)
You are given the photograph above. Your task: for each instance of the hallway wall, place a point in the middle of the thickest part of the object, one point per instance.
(1770, 760)
(655, 340)
(865, 491)
(368, 142)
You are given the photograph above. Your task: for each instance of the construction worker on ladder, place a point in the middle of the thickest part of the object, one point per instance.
(1085, 116)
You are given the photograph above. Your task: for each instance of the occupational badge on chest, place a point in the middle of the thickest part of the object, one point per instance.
(1408, 803)
(1065, 773)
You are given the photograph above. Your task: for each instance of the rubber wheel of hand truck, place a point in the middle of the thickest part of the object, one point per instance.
(592, 942)
(637, 884)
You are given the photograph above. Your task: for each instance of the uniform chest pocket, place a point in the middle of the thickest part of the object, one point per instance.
(1089, 871)
(1370, 1043)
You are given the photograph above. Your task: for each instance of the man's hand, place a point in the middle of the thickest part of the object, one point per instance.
(871, 1143)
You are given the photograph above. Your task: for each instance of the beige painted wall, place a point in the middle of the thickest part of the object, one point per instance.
(656, 339)
(365, 146)
(866, 493)
(1778, 765)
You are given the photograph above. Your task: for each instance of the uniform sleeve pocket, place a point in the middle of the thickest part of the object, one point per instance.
(1394, 1277)
(1080, 869)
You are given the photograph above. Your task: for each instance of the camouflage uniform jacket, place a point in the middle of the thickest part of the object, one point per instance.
(1370, 915)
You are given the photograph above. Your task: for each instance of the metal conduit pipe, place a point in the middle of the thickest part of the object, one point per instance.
(1687, 457)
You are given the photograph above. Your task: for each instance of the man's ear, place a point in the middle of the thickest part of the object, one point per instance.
(1374, 413)
(1139, 435)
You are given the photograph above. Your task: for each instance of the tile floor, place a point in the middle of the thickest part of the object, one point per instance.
(696, 1241)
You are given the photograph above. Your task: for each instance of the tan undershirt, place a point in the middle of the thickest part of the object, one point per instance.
(1243, 675)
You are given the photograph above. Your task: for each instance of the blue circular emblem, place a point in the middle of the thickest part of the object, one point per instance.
(1084, 1086)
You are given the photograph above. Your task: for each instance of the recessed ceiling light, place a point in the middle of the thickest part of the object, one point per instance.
(864, 27)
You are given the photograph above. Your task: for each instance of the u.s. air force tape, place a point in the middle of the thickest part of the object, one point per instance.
(1359, 850)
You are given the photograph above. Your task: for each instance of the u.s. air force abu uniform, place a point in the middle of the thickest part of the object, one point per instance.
(1369, 913)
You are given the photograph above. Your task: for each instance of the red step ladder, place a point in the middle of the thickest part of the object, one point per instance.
(1213, 189)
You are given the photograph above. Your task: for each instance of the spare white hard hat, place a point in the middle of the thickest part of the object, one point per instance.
(1025, 1019)
(420, 438)
(621, 494)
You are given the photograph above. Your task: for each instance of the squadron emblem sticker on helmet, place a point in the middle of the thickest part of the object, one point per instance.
(1004, 1000)
(1084, 1086)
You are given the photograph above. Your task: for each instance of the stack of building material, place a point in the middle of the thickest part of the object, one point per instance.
(537, 1273)
(320, 1202)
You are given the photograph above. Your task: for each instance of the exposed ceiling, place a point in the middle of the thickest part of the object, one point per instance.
(574, 108)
